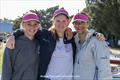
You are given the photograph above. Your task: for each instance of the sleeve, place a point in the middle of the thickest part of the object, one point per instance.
(18, 33)
(41, 34)
(7, 65)
(38, 35)
(102, 60)
(69, 41)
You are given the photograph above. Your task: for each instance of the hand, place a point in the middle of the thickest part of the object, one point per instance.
(10, 42)
(69, 34)
(100, 37)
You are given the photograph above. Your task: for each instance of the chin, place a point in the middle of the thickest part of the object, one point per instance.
(80, 32)
(31, 35)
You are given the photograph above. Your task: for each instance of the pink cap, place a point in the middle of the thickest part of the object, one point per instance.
(60, 11)
(80, 17)
(30, 16)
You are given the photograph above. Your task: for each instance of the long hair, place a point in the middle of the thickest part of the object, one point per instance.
(54, 32)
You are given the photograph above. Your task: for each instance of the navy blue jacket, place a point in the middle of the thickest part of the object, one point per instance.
(47, 46)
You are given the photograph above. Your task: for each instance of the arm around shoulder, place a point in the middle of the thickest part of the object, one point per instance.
(102, 57)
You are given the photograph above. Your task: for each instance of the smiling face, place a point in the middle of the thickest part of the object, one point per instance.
(30, 28)
(80, 27)
(60, 22)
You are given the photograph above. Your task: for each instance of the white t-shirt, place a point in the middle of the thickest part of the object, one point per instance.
(61, 64)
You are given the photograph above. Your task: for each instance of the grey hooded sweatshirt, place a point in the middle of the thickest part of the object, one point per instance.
(22, 62)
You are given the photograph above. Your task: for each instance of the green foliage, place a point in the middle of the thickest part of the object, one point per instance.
(105, 17)
(16, 23)
(46, 16)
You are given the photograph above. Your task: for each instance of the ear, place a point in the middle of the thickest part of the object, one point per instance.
(52, 22)
(87, 25)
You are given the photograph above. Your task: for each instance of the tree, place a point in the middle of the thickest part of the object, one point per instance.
(105, 17)
(46, 16)
(16, 23)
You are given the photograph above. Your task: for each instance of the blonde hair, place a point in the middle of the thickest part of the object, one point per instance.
(21, 25)
(54, 32)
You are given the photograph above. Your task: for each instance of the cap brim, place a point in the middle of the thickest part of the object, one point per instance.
(31, 20)
(80, 20)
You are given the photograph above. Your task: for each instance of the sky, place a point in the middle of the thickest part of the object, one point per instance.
(11, 9)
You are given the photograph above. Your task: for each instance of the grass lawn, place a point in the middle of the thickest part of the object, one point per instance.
(1, 55)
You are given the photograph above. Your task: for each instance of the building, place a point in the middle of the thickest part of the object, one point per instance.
(6, 27)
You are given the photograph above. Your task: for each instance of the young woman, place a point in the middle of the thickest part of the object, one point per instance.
(21, 63)
(92, 56)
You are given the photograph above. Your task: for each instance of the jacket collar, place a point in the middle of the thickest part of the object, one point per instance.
(88, 36)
